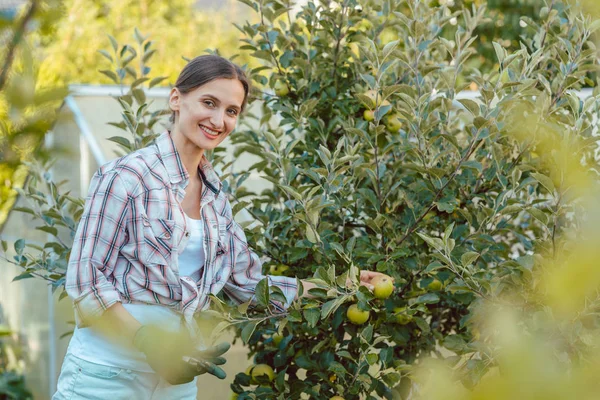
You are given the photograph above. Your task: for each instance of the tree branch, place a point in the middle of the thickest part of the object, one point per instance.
(16, 39)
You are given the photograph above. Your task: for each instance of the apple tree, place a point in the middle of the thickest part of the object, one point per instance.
(378, 160)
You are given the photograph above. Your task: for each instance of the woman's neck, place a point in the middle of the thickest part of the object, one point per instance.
(189, 153)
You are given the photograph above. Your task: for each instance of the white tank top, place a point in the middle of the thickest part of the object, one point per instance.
(92, 346)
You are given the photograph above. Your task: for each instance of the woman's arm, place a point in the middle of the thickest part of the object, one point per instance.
(99, 237)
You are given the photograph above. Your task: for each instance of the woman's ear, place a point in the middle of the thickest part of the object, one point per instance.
(174, 99)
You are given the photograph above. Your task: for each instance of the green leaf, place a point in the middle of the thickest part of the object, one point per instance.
(248, 331)
(106, 54)
(156, 81)
(428, 298)
(311, 235)
(422, 324)
(113, 43)
(372, 358)
(312, 316)
(243, 307)
(19, 246)
(25, 275)
(500, 52)
(539, 215)
(545, 181)
(110, 74)
(122, 141)
(436, 243)
(138, 82)
(25, 210)
(262, 292)
(48, 229)
(434, 266)
(291, 191)
(331, 306)
(468, 258)
(454, 343)
(138, 36)
(470, 105)
(337, 368)
(367, 333)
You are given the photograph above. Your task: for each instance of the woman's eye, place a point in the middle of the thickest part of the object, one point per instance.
(209, 103)
(233, 112)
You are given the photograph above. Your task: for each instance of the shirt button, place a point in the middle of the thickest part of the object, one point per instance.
(146, 222)
(167, 236)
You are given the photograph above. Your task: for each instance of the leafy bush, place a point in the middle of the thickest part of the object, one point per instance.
(448, 195)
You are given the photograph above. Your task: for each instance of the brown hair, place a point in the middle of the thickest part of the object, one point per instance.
(206, 68)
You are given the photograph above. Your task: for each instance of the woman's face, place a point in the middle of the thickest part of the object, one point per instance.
(207, 114)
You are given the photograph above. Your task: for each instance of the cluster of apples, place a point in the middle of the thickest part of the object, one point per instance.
(391, 120)
(383, 287)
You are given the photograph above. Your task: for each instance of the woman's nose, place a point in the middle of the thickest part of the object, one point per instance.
(217, 119)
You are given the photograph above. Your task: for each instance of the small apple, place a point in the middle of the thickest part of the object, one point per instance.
(356, 315)
(336, 398)
(435, 285)
(263, 370)
(278, 269)
(375, 96)
(369, 115)
(401, 316)
(383, 286)
(364, 25)
(277, 338)
(393, 123)
(281, 88)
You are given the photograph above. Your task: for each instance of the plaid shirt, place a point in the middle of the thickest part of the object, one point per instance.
(133, 228)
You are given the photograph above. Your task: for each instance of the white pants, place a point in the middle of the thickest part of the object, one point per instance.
(80, 379)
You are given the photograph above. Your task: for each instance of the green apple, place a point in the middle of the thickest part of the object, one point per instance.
(393, 123)
(281, 88)
(356, 315)
(401, 317)
(278, 269)
(435, 285)
(383, 286)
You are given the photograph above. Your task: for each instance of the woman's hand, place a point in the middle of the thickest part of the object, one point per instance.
(366, 278)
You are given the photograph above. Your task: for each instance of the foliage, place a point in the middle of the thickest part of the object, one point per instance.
(71, 56)
(26, 111)
(451, 196)
(455, 195)
(12, 382)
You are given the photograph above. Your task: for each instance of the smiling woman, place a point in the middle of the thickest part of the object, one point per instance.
(156, 238)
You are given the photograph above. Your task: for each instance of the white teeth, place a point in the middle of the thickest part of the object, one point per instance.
(209, 131)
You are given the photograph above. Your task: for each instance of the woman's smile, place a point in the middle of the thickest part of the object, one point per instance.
(209, 133)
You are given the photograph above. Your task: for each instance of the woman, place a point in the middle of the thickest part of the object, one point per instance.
(153, 242)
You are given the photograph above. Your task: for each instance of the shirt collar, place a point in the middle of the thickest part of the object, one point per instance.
(176, 170)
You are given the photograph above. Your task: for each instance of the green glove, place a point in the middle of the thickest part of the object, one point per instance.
(174, 356)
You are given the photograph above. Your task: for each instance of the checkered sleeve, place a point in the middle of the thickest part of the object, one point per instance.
(100, 234)
(247, 269)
